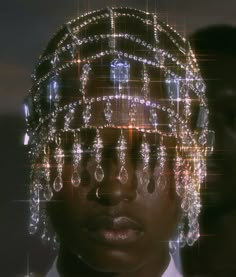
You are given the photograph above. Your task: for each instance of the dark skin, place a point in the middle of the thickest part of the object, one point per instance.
(157, 214)
(146, 251)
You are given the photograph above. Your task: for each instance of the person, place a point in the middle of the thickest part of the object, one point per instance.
(215, 51)
(117, 126)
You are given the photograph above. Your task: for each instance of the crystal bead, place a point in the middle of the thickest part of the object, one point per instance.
(55, 243)
(57, 184)
(173, 87)
(145, 177)
(59, 155)
(190, 239)
(132, 112)
(203, 139)
(45, 238)
(68, 119)
(153, 118)
(48, 193)
(200, 86)
(159, 57)
(99, 173)
(108, 112)
(32, 229)
(123, 175)
(202, 120)
(34, 218)
(173, 247)
(161, 183)
(75, 179)
(87, 114)
(182, 240)
(179, 189)
(185, 205)
(210, 142)
(120, 71)
(26, 110)
(53, 90)
(112, 43)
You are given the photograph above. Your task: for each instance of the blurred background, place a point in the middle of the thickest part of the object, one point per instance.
(26, 27)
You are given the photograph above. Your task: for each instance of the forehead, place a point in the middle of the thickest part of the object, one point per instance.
(98, 83)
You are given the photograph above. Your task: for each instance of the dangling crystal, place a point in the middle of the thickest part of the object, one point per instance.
(200, 86)
(145, 177)
(26, 139)
(59, 155)
(146, 81)
(57, 184)
(75, 179)
(173, 88)
(173, 246)
(108, 112)
(159, 57)
(161, 183)
(120, 71)
(84, 78)
(182, 239)
(68, 119)
(48, 193)
(202, 138)
(99, 173)
(87, 114)
(132, 113)
(123, 175)
(202, 120)
(45, 237)
(190, 238)
(210, 142)
(185, 205)
(153, 117)
(26, 110)
(53, 90)
(32, 229)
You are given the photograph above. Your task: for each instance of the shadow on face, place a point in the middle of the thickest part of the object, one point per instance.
(115, 227)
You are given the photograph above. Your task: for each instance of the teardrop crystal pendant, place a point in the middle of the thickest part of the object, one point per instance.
(57, 184)
(75, 179)
(145, 177)
(123, 175)
(161, 183)
(99, 173)
(32, 228)
(48, 193)
(182, 239)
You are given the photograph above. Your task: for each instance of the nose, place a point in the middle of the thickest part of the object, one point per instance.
(111, 191)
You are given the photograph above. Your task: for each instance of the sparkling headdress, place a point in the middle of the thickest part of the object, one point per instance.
(51, 108)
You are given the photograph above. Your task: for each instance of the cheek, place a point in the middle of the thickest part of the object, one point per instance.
(163, 215)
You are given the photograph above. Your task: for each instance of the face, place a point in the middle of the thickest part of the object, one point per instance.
(110, 226)
(126, 224)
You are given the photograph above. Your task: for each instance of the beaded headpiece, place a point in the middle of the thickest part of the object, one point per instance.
(129, 43)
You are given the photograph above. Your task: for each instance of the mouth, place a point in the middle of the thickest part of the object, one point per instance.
(114, 231)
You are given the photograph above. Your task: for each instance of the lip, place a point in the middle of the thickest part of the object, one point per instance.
(114, 231)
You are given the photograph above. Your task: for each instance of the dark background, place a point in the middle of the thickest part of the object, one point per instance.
(26, 26)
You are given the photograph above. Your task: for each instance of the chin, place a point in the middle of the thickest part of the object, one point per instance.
(116, 261)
